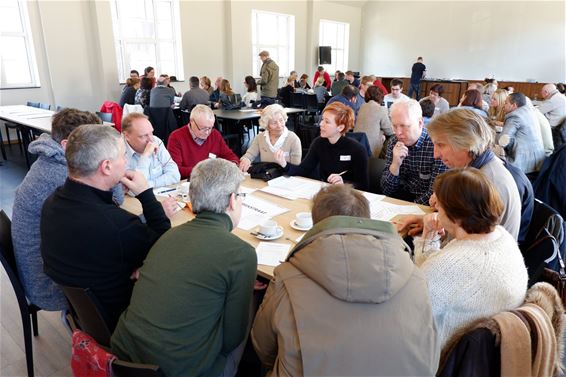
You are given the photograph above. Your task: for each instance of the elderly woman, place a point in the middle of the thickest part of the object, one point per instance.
(373, 120)
(481, 271)
(339, 159)
(462, 138)
(435, 95)
(497, 107)
(472, 100)
(275, 137)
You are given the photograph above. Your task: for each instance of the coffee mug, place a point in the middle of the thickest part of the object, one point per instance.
(268, 228)
(303, 219)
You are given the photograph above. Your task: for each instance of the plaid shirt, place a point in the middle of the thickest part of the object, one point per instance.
(417, 172)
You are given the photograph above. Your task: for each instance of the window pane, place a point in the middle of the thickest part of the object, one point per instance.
(15, 60)
(137, 29)
(166, 51)
(163, 11)
(10, 20)
(142, 54)
(165, 30)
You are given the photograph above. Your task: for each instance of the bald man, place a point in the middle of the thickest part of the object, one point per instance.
(554, 105)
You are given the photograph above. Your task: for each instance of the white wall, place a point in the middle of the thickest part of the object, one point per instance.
(511, 40)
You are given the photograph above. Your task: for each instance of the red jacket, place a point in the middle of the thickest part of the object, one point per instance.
(116, 110)
(380, 86)
(186, 153)
(326, 78)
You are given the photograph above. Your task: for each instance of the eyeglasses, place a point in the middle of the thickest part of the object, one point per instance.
(204, 129)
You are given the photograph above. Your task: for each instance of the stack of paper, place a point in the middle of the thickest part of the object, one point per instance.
(385, 211)
(272, 253)
(293, 187)
(255, 211)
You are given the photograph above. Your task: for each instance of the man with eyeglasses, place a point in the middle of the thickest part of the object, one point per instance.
(198, 141)
(396, 93)
(190, 309)
(146, 153)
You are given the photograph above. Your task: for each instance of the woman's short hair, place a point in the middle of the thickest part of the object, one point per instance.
(269, 112)
(463, 130)
(89, 145)
(213, 181)
(251, 83)
(344, 115)
(428, 107)
(146, 83)
(437, 88)
(373, 93)
(206, 81)
(339, 200)
(131, 81)
(65, 121)
(472, 97)
(469, 199)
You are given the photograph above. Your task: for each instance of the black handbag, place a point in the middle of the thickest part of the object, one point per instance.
(556, 278)
(265, 170)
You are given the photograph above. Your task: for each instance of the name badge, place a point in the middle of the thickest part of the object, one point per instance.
(424, 176)
(212, 156)
(345, 158)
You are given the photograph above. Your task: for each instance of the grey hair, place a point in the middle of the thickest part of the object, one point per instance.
(413, 108)
(88, 146)
(269, 112)
(212, 183)
(202, 110)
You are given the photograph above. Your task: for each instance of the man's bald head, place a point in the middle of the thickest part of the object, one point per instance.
(548, 90)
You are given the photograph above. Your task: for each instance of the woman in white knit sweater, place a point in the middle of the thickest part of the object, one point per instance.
(481, 271)
(275, 137)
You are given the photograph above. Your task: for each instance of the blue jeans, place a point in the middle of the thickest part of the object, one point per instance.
(233, 360)
(415, 87)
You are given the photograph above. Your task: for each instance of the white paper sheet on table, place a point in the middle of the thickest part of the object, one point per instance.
(271, 253)
(247, 190)
(294, 187)
(371, 197)
(255, 211)
(380, 210)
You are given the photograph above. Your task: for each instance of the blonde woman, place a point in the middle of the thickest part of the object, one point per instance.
(497, 108)
(275, 137)
(320, 90)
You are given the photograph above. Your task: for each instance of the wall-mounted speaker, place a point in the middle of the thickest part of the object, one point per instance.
(324, 55)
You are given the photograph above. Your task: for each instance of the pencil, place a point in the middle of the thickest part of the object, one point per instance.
(344, 172)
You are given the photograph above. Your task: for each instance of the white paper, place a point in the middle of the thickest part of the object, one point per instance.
(385, 211)
(371, 197)
(272, 253)
(297, 187)
(279, 192)
(255, 211)
(247, 190)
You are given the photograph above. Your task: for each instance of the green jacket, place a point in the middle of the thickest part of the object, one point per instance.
(191, 305)
(269, 82)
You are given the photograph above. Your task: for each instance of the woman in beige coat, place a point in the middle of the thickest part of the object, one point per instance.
(373, 119)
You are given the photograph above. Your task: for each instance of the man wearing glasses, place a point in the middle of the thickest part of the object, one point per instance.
(396, 93)
(198, 141)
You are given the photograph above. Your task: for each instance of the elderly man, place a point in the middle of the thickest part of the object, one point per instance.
(190, 308)
(410, 167)
(198, 141)
(553, 108)
(146, 153)
(215, 95)
(44, 176)
(335, 272)
(520, 136)
(396, 93)
(162, 95)
(269, 73)
(194, 96)
(86, 240)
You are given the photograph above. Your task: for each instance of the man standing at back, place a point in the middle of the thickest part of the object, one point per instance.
(269, 73)
(410, 167)
(417, 73)
(194, 96)
(190, 309)
(86, 240)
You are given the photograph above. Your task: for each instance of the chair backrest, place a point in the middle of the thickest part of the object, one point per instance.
(312, 103)
(375, 171)
(32, 104)
(122, 368)
(298, 100)
(45, 106)
(87, 313)
(361, 138)
(163, 121)
(105, 117)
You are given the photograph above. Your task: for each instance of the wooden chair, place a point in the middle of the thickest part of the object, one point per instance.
(27, 310)
(87, 314)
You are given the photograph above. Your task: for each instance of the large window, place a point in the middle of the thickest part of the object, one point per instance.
(335, 34)
(18, 67)
(148, 33)
(273, 32)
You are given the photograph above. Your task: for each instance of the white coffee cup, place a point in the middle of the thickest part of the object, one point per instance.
(268, 228)
(303, 219)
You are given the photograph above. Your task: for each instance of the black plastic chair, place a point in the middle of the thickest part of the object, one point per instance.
(375, 171)
(87, 314)
(361, 138)
(298, 100)
(26, 310)
(105, 117)
(163, 121)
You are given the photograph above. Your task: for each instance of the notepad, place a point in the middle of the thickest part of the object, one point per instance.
(272, 253)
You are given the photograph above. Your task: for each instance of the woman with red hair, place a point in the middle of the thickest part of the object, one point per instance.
(339, 159)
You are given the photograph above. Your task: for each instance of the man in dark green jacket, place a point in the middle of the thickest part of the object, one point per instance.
(190, 309)
(269, 73)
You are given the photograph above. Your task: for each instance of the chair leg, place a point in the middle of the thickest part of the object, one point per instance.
(20, 142)
(27, 342)
(7, 134)
(2, 149)
(33, 312)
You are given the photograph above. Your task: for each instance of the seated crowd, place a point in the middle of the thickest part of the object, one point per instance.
(182, 297)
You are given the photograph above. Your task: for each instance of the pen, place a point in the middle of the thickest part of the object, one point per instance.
(344, 172)
(178, 205)
(168, 190)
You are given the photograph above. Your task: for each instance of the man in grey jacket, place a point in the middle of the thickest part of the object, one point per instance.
(269, 73)
(161, 95)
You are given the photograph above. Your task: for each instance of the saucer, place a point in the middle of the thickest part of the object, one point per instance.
(277, 235)
(294, 225)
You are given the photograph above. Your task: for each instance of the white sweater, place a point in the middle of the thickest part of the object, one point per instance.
(472, 279)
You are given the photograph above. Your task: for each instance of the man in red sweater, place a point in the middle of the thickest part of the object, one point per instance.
(198, 141)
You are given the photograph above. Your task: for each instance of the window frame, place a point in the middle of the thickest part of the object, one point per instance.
(30, 50)
(121, 42)
(258, 47)
(345, 50)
